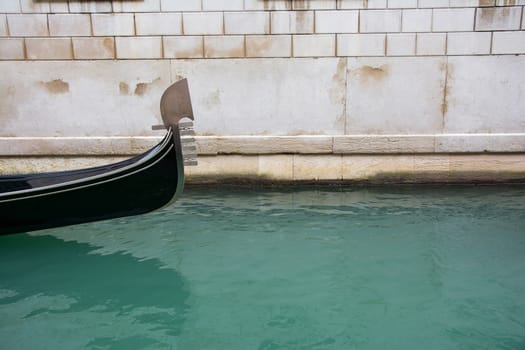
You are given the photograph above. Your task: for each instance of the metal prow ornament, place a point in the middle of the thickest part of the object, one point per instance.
(175, 104)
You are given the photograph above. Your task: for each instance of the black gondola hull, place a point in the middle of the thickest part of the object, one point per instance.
(137, 187)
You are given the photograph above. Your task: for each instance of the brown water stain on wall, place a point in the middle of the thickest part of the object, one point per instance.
(338, 90)
(109, 44)
(448, 69)
(491, 3)
(123, 88)
(303, 22)
(373, 74)
(273, 4)
(301, 4)
(56, 86)
(142, 88)
(488, 15)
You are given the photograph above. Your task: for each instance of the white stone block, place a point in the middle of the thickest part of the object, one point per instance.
(69, 25)
(183, 46)
(389, 95)
(498, 18)
(59, 7)
(180, 5)
(280, 97)
(377, 168)
(268, 46)
(30, 6)
(509, 2)
(317, 45)
(90, 6)
(469, 43)
(401, 44)
(361, 4)
(231, 46)
(508, 43)
(418, 20)
(94, 48)
(11, 49)
(314, 5)
(375, 4)
(138, 47)
(361, 44)
(292, 22)
(3, 25)
(317, 167)
(10, 6)
(136, 6)
(471, 3)
(480, 143)
(303, 144)
(202, 23)
(124, 103)
(253, 22)
(158, 23)
(27, 25)
(379, 21)
(113, 24)
(49, 49)
(376, 143)
(432, 3)
(399, 4)
(340, 21)
(431, 44)
(485, 94)
(222, 5)
(276, 167)
(453, 20)
(221, 167)
(267, 5)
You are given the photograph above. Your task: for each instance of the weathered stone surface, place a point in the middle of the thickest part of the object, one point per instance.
(183, 46)
(485, 95)
(269, 46)
(224, 168)
(300, 168)
(389, 95)
(75, 146)
(384, 144)
(70, 98)
(480, 143)
(266, 96)
(264, 144)
(279, 167)
(431, 44)
(378, 167)
(317, 167)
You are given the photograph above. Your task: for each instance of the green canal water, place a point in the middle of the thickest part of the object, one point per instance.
(341, 268)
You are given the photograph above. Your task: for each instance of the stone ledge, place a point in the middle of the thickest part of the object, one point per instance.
(299, 168)
(253, 145)
(319, 168)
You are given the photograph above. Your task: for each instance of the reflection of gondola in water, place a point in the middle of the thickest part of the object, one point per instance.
(134, 186)
(51, 280)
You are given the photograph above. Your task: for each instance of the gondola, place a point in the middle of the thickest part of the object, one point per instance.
(134, 186)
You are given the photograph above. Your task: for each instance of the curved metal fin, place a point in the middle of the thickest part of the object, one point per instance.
(175, 103)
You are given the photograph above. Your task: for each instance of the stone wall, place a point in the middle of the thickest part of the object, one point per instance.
(406, 90)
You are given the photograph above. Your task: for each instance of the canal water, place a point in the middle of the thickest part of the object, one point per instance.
(327, 268)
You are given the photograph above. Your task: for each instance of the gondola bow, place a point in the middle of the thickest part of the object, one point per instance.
(134, 186)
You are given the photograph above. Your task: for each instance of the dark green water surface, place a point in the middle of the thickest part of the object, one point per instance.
(345, 268)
